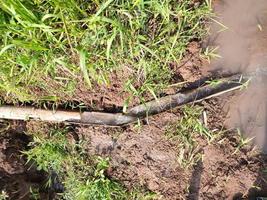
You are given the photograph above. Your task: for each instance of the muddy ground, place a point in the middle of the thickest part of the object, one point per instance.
(144, 156)
(125, 146)
(17, 177)
(149, 158)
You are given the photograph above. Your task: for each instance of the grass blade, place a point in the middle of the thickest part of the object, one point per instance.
(109, 43)
(6, 48)
(83, 67)
(103, 7)
(29, 45)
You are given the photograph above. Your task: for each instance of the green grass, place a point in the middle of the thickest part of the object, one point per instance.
(3, 195)
(49, 47)
(185, 132)
(242, 141)
(83, 176)
(49, 153)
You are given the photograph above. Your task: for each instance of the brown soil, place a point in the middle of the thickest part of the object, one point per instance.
(16, 177)
(140, 157)
(105, 96)
(144, 156)
(112, 96)
(148, 158)
(192, 66)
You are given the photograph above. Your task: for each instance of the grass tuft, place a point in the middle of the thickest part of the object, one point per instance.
(186, 131)
(83, 177)
(61, 41)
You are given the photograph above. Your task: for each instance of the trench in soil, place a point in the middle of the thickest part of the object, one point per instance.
(146, 157)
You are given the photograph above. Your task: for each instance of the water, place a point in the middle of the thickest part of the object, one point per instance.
(243, 48)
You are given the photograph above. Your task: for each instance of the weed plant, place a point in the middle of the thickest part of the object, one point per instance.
(83, 177)
(47, 46)
(3, 195)
(186, 131)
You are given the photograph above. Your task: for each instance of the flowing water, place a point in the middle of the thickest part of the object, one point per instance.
(242, 45)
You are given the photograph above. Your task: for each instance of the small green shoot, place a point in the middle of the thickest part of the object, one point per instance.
(214, 82)
(84, 67)
(185, 131)
(34, 193)
(210, 53)
(243, 141)
(3, 195)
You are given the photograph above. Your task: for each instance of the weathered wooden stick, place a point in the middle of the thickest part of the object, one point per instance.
(133, 114)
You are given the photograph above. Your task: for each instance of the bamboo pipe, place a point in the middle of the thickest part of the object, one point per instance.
(29, 113)
(133, 114)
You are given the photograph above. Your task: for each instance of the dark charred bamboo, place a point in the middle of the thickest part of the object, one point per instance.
(132, 115)
(172, 101)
